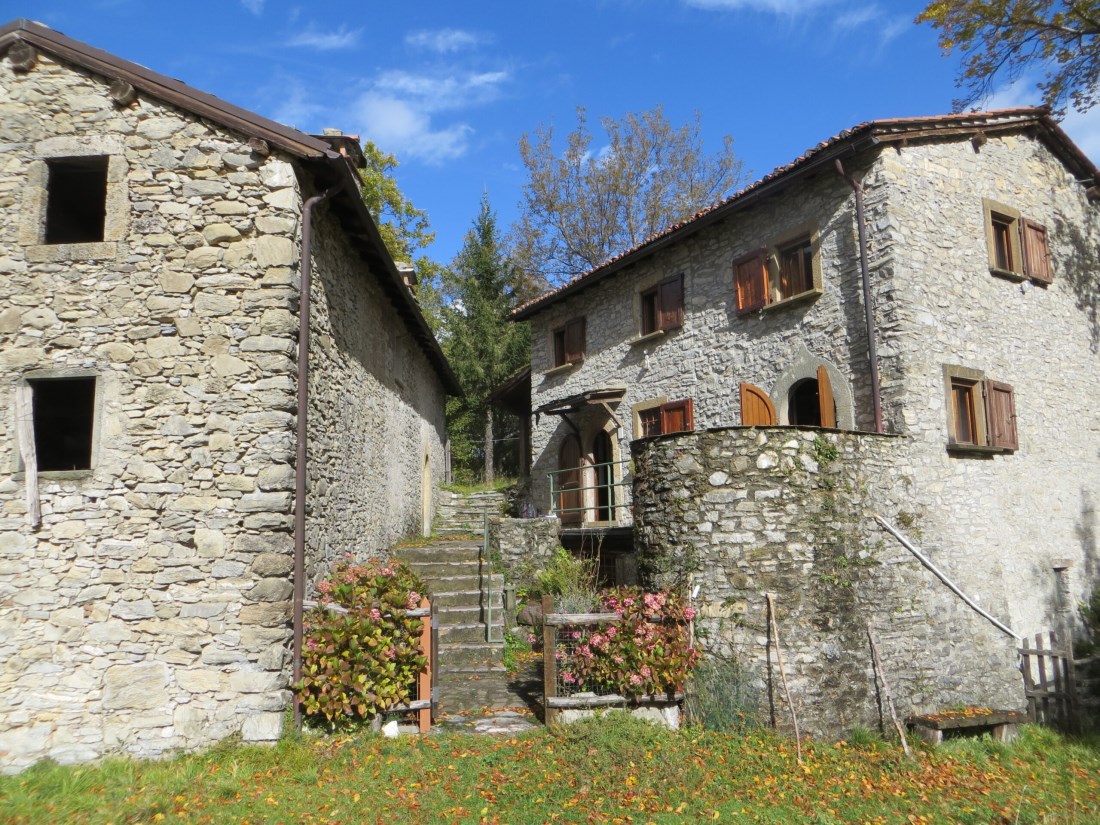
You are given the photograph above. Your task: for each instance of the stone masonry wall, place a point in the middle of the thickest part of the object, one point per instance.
(716, 349)
(376, 412)
(149, 612)
(1002, 525)
(744, 512)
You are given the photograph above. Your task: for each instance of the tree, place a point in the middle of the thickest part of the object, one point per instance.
(1010, 37)
(581, 207)
(483, 347)
(404, 228)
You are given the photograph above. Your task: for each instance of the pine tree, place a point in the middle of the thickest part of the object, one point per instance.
(483, 346)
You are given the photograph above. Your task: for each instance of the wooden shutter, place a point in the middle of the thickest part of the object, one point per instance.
(750, 281)
(677, 417)
(1000, 414)
(757, 409)
(825, 400)
(670, 303)
(1036, 252)
(574, 341)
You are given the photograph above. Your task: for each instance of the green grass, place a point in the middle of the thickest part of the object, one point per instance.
(466, 488)
(615, 770)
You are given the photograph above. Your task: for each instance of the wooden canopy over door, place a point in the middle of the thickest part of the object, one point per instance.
(757, 409)
(570, 501)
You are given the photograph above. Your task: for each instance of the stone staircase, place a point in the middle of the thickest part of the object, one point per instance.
(463, 514)
(469, 605)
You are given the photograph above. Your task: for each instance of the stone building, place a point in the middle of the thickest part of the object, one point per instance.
(153, 242)
(918, 299)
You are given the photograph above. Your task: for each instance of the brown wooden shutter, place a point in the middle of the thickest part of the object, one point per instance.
(825, 399)
(1000, 414)
(677, 417)
(750, 281)
(1036, 252)
(757, 409)
(574, 341)
(670, 303)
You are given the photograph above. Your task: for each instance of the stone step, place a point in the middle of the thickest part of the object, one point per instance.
(469, 632)
(466, 694)
(463, 656)
(441, 552)
(436, 570)
(455, 598)
(447, 616)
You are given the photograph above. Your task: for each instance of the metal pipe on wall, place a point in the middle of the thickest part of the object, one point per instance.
(865, 274)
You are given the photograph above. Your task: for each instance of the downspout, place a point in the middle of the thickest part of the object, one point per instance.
(872, 347)
(300, 459)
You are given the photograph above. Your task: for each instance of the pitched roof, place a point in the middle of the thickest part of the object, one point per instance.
(845, 144)
(328, 165)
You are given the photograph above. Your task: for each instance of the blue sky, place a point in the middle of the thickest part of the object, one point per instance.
(450, 87)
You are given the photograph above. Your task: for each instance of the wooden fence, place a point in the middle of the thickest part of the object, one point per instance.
(422, 705)
(1050, 684)
(556, 697)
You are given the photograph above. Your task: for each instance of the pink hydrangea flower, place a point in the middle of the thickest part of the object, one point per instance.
(375, 614)
(413, 600)
(689, 613)
(635, 679)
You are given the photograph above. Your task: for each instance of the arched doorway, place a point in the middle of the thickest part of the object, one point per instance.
(602, 456)
(804, 404)
(569, 493)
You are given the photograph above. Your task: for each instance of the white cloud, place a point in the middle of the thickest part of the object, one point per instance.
(340, 38)
(443, 40)
(1082, 127)
(400, 111)
(254, 6)
(297, 106)
(856, 17)
(787, 7)
(398, 126)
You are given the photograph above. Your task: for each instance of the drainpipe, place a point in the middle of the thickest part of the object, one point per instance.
(872, 347)
(300, 460)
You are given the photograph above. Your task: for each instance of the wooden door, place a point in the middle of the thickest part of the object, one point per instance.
(570, 495)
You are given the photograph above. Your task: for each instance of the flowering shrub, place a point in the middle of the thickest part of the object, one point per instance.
(362, 662)
(646, 652)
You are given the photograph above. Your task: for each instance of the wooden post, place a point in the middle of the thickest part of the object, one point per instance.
(549, 662)
(783, 675)
(1029, 684)
(1044, 686)
(424, 680)
(881, 674)
(1071, 686)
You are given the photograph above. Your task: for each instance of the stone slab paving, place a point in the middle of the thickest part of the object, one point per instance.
(507, 722)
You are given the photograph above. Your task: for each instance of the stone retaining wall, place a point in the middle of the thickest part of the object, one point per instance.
(745, 512)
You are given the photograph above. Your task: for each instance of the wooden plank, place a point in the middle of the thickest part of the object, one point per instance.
(953, 722)
(1029, 683)
(24, 423)
(560, 702)
(559, 619)
(424, 680)
(549, 662)
(1044, 699)
(418, 705)
(1060, 703)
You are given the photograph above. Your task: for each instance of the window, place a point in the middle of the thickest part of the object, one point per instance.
(662, 307)
(76, 204)
(772, 275)
(63, 412)
(664, 418)
(569, 343)
(981, 413)
(1018, 248)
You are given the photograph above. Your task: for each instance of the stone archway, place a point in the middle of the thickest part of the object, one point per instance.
(803, 368)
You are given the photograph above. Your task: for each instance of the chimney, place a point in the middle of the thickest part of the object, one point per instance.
(408, 274)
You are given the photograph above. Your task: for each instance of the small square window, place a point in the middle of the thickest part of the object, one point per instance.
(63, 410)
(662, 307)
(981, 414)
(569, 342)
(772, 275)
(76, 205)
(663, 418)
(1018, 248)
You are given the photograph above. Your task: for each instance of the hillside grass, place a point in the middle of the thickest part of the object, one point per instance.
(616, 770)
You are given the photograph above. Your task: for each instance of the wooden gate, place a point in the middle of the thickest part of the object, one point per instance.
(1049, 682)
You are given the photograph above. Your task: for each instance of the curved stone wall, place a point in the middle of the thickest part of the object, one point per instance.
(746, 512)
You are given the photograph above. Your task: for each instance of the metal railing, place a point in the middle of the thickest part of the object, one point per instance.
(591, 493)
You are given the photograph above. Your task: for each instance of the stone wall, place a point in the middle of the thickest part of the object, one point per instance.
(523, 545)
(376, 420)
(716, 348)
(745, 512)
(150, 612)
